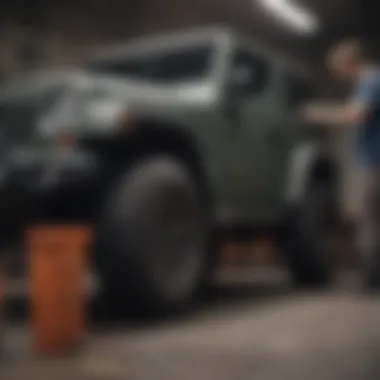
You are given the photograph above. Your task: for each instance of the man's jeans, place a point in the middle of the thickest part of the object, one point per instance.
(369, 225)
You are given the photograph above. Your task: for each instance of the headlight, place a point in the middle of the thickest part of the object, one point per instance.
(107, 113)
(103, 111)
(80, 114)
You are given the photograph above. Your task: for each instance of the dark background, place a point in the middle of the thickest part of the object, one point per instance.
(44, 33)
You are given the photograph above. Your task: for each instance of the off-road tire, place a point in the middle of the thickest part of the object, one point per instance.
(152, 237)
(309, 244)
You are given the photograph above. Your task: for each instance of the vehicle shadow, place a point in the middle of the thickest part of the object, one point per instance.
(233, 291)
(228, 294)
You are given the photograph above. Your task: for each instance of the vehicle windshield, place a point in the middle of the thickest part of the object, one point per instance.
(179, 65)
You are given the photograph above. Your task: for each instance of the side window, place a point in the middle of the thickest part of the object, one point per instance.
(249, 74)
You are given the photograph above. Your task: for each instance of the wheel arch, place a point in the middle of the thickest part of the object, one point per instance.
(153, 137)
(309, 164)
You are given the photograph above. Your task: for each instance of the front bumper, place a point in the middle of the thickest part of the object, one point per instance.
(44, 187)
(41, 174)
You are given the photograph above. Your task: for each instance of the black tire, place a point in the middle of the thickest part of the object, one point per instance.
(152, 238)
(309, 243)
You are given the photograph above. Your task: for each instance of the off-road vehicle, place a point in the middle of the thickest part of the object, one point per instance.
(164, 145)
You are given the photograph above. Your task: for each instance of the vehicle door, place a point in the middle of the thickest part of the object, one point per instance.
(292, 90)
(251, 100)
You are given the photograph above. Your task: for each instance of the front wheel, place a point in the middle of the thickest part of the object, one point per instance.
(152, 239)
(309, 244)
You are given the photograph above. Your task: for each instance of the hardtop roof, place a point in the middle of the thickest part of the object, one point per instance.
(180, 38)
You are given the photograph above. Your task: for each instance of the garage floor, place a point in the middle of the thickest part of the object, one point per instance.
(252, 328)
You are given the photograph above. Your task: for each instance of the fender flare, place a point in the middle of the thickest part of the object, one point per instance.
(304, 158)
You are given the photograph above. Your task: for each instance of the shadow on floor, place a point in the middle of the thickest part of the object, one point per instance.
(225, 295)
(229, 293)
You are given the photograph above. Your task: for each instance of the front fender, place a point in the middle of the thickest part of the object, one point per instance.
(302, 159)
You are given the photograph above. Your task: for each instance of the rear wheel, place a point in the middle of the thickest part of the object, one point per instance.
(152, 239)
(310, 242)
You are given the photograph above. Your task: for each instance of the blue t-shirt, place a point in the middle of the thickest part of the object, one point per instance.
(367, 92)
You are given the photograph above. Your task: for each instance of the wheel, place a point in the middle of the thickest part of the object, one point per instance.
(152, 237)
(309, 244)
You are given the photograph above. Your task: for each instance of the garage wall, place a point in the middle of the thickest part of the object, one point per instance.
(63, 34)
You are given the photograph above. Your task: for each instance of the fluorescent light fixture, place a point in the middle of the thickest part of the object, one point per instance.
(295, 16)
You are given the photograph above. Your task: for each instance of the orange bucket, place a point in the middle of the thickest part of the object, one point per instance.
(57, 270)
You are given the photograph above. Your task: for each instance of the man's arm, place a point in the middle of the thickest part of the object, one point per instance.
(353, 112)
(335, 115)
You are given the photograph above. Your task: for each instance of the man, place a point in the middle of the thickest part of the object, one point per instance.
(349, 62)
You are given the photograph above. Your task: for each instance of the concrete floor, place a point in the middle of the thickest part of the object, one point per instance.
(251, 329)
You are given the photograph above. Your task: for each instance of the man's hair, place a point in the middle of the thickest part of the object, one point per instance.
(347, 51)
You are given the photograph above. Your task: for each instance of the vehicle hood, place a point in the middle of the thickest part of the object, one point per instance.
(148, 95)
(134, 92)
(101, 99)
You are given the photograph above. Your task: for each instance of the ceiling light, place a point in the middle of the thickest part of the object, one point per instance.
(298, 18)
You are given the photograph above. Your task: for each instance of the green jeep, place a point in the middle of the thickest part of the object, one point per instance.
(166, 146)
